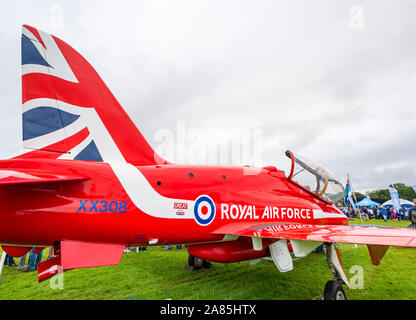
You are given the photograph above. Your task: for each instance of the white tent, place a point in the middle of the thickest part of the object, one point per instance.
(402, 202)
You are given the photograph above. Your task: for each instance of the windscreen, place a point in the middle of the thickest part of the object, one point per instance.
(315, 178)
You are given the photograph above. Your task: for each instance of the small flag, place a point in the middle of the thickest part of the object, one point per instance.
(347, 191)
(351, 201)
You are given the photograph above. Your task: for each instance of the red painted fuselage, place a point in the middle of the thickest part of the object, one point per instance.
(100, 210)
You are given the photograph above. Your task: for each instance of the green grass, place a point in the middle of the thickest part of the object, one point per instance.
(160, 274)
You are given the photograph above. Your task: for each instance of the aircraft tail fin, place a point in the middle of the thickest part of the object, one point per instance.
(69, 112)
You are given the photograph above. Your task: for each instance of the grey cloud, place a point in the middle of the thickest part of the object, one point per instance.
(295, 70)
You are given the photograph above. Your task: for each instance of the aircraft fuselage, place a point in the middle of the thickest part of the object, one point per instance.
(142, 205)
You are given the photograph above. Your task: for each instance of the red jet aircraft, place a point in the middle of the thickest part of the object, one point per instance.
(89, 185)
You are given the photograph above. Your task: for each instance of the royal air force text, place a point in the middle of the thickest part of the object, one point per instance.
(244, 212)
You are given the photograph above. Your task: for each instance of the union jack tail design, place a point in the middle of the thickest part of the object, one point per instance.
(69, 112)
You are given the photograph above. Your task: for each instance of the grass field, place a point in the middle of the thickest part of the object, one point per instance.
(160, 274)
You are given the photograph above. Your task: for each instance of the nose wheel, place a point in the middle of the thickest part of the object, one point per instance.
(334, 291)
(333, 288)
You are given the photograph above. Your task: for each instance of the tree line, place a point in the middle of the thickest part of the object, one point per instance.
(405, 192)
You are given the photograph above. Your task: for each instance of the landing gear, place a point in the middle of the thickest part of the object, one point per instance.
(195, 263)
(333, 288)
(334, 291)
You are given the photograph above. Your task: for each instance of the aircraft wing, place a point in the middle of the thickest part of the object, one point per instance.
(12, 177)
(324, 233)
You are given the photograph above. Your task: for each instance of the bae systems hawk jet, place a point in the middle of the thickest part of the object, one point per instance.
(88, 184)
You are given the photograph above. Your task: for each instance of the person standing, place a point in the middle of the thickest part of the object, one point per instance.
(394, 214)
(383, 212)
(406, 214)
(22, 262)
(34, 260)
(9, 261)
(371, 213)
(377, 213)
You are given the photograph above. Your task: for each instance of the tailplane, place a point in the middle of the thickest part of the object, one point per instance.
(69, 112)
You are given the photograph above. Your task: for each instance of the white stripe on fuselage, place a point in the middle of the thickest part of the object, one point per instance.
(145, 197)
(319, 214)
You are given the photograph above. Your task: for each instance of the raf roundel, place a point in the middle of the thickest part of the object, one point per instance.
(204, 210)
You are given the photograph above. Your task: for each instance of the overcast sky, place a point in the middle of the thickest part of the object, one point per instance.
(334, 81)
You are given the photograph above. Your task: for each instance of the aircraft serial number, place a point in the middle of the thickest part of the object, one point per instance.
(102, 206)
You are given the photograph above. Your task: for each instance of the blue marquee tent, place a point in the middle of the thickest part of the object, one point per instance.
(367, 202)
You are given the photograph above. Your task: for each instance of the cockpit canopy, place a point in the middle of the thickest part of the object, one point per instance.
(315, 178)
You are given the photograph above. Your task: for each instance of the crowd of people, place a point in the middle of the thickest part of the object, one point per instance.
(169, 247)
(34, 259)
(382, 213)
